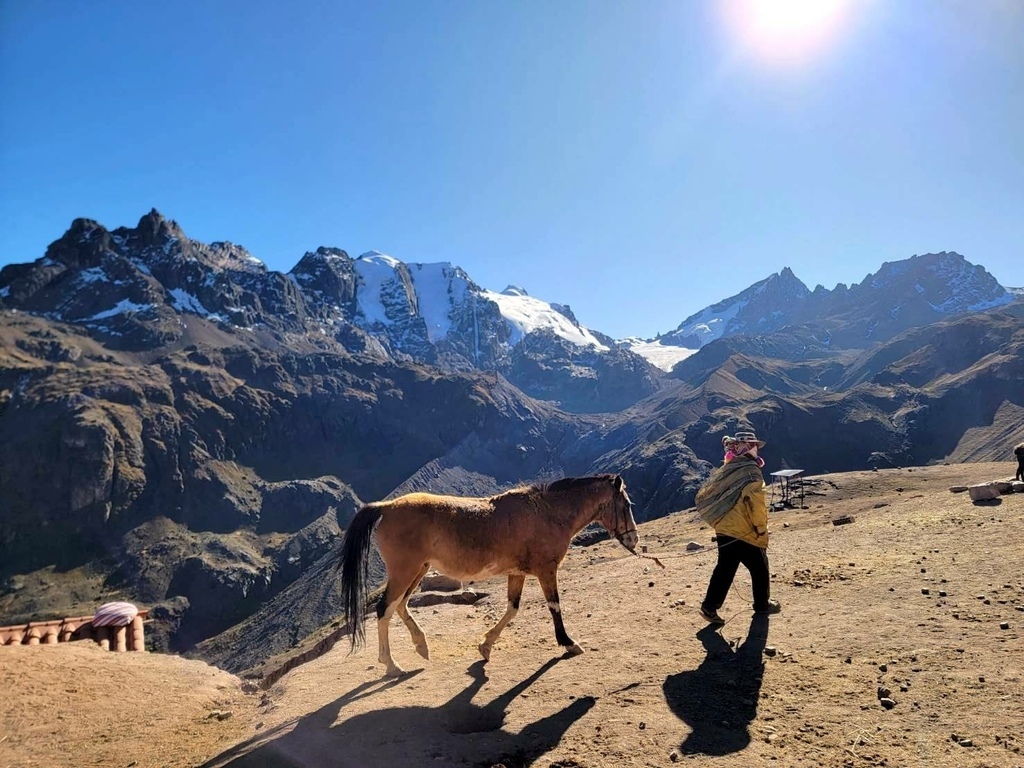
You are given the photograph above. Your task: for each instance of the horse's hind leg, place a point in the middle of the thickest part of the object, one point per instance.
(418, 638)
(515, 592)
(399, 582)
(549, 585)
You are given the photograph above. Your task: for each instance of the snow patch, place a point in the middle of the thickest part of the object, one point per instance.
(710, 325)
(663, 356)
(374, 271)
(183, 301)
(92, 275)
(439, 287)
(525, 314)
(122, 307)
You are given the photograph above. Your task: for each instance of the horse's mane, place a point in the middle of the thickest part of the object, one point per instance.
(555, 486)
(572, 483)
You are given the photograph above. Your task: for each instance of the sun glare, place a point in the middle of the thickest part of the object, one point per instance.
(786, 30)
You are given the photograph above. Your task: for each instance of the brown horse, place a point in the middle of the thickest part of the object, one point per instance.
(522, 532)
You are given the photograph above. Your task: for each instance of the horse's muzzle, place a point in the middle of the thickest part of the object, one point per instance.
(629, 539)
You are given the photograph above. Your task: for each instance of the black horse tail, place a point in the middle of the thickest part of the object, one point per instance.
(355, 568)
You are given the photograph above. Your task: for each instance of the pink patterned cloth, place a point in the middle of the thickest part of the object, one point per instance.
(114, 615)
(730, 456)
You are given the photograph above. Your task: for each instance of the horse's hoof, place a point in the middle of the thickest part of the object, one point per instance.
(423, 651)
(574, 650)
(485, 651)
(394, 671)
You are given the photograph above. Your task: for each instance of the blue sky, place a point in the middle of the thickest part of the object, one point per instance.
(636, 160)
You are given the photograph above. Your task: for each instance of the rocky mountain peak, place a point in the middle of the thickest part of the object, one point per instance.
(900, 295)
(760, 308)
(81, 246)
(154, 229)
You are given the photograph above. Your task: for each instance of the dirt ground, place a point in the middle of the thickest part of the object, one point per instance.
(910, 600)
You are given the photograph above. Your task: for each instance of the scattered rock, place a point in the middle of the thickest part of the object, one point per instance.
(438, 582)
(884, 693)
(769, 650)
(925, 591)
(957, 488)
(983, 492)
(887, 703)
(693, 546)
(1004, 625)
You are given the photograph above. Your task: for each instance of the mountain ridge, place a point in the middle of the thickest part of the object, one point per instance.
(186, 428)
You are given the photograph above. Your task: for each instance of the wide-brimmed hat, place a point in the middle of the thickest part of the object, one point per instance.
(749, 437)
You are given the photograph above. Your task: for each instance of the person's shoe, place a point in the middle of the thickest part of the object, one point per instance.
(711, 616)
(774, 606)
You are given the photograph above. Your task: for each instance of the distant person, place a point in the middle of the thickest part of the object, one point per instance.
(1018, 451)
(733, 502)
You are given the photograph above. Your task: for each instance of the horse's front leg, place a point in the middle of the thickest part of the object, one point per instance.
(515, 592)
(549, 585)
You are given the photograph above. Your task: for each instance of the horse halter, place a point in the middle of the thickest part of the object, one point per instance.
(625, 520)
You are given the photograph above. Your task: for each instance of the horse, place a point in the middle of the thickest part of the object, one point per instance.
(1018, 451)
(522, 532)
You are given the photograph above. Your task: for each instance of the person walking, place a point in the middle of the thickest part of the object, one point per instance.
(733, 502)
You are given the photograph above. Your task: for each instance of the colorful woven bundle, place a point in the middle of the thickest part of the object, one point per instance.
(114, 615)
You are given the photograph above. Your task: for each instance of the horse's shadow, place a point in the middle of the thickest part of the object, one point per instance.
(396, 735)
(718, 700)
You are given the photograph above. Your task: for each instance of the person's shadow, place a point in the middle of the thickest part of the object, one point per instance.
(718, 700)
(396, 735)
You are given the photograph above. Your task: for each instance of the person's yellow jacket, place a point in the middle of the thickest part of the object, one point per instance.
(748, 519)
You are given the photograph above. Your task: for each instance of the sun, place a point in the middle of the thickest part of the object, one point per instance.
(786, 30)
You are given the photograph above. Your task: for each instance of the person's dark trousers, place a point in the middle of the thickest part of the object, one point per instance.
(732, 552)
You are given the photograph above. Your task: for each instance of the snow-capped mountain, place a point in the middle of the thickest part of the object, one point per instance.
(900, 295)
(137, 288)
(433, 311)
(764, 306)
(140, 288)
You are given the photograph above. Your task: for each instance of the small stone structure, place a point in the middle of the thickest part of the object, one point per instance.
(130, 637)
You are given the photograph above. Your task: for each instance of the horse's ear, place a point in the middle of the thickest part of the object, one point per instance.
(617, 482)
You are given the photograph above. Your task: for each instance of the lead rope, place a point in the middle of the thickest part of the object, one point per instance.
(649, 557)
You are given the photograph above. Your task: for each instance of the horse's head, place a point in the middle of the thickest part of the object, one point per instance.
(617, 515)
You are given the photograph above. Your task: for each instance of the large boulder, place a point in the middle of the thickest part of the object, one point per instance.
(983, 492)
